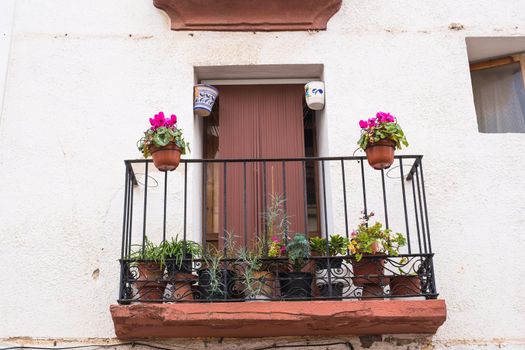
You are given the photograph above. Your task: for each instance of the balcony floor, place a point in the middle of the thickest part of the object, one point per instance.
(277, 318)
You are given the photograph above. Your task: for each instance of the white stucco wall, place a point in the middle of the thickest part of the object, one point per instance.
(7, 8)
(84, 76)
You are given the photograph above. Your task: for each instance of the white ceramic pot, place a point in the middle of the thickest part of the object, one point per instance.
(314, 93)
(204, 99)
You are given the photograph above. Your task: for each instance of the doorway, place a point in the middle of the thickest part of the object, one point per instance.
(259, 122)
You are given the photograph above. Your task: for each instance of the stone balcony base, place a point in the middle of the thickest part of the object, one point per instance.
(277, 318)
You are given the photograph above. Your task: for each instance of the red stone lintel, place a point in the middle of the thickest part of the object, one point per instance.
(277, 318)
(249, 15)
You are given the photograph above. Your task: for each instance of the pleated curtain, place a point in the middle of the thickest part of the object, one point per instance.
(259, 121)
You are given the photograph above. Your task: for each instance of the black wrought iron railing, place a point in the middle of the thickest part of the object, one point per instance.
(204, 232)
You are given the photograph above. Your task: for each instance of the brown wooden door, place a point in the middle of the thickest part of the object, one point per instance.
(260, 121)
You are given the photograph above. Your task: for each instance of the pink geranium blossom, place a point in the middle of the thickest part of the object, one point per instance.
(363, 124)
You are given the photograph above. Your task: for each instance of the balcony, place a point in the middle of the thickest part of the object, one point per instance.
(199, 252)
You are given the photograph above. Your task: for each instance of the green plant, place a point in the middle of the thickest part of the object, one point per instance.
(251, 264)
(215, 266)
(373, 239)
(298, 251)
(276, 221)
(213, 261)
(174, 249)
(150, 252)
(162, 132)
(383, 126)
(336, 245)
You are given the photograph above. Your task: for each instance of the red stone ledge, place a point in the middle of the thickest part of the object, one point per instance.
(277, 318)
(249, 15)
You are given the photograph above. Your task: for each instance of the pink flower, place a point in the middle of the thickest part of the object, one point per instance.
(283, 249)
(353, 234)
(384, 117)
(157, 121)
(371, 122)
(363, 124)
(276, 239)
(172, 121)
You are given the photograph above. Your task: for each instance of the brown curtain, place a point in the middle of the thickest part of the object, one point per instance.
(260, 121)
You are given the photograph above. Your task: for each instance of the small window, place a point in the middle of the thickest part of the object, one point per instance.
(497, 68)
(499, 96)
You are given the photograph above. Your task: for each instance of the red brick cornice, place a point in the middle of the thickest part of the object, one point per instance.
(277, 318)
(249, 15)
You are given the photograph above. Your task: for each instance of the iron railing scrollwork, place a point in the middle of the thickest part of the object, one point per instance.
(397, 196)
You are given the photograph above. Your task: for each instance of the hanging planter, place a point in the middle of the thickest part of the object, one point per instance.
(380, 155)
(164, 142)
(204, 98)
(380, 136)
(314, 94)
(165, 158)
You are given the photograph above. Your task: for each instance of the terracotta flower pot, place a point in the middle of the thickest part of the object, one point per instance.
(165, 158)
(182, 290)
(371, 290)
(380, 154)
(369, 270)
(405, 285)
(149, 284)
(264, 283)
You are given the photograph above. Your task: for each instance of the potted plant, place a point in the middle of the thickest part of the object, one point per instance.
(337, 245)
(380, 136)
(180, 255)
(276, 222)
(256, 279)
(179, 263)
(406, 283)
(373, 243)
(216, 277)
(215, 280)
(149, 262)
(164, 142)
(296, 283)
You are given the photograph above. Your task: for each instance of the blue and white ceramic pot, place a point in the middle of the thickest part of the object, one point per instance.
(314, 94)
(204, 98)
